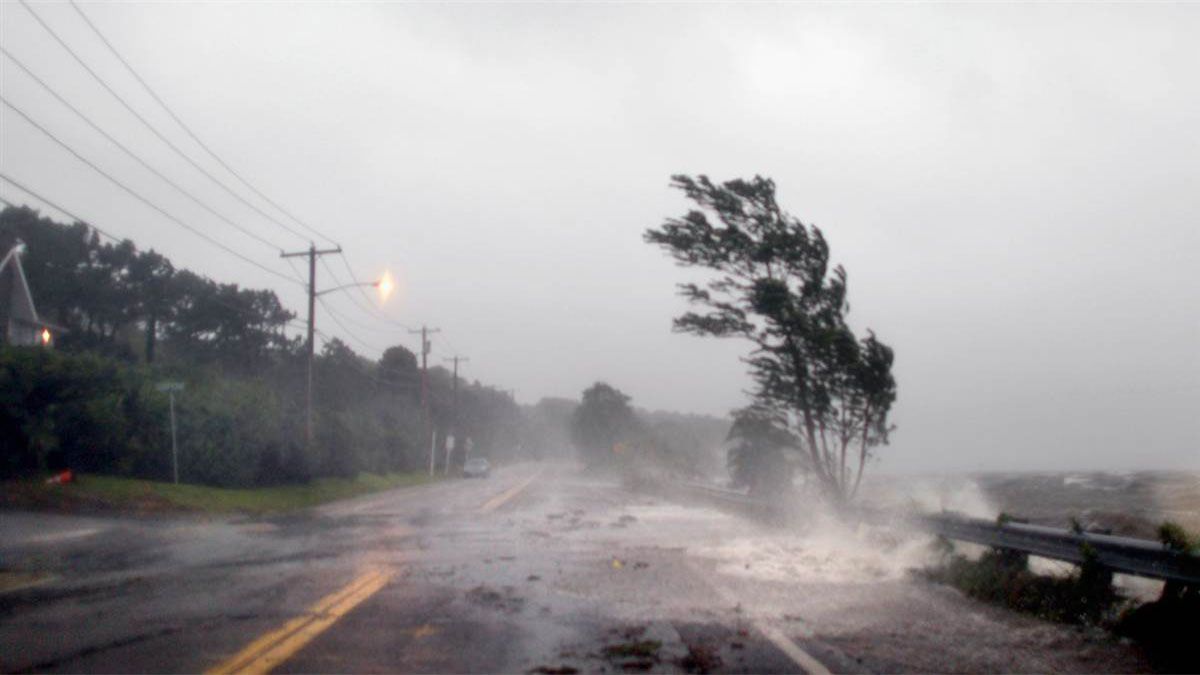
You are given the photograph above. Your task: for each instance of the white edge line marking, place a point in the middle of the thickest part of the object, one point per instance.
(61, 536)
(503, 498)
(793, 651)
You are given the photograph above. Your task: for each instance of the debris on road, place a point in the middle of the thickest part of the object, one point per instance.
(701, 659)
(634, 655)
(506, 601)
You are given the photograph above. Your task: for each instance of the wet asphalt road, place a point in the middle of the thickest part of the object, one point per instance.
(536, 569)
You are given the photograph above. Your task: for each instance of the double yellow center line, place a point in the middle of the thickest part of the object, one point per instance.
(272, 649)
(502, 498)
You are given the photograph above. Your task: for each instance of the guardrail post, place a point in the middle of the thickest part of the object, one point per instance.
(1011, 559)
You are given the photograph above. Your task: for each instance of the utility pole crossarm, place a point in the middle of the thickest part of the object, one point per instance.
(311, 251)
(345, 286)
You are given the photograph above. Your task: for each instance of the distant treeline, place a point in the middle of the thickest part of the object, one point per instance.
(132, 320)
(610, 433)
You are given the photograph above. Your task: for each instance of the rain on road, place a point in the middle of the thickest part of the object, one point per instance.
(537, 569)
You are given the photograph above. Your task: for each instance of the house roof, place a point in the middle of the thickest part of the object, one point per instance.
(16, 301)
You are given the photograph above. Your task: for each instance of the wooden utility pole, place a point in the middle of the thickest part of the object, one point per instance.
(427, 418)
(311, 254)
(458, 437)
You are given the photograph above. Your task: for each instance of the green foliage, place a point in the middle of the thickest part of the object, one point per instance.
(943, 548)
(1003, 577)
(111, 492)
(756, 454)
(1175, 537)
(548, 429)
(231, 434)
(241, 418)
(1165, 629)
(83, 411)
(602, 420)
(687, 444)
(105, 293)
(771, 284)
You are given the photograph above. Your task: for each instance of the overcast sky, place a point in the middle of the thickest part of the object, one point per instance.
(1014, 189)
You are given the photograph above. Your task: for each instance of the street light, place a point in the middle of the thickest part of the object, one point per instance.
(385, 284)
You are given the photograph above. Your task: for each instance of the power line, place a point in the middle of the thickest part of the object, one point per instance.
(148, 125)
(337, 317)
(112, 237)
(338, 320)
(187, 129)
(357, 367)
(134, 155)
(368, 307)
(142, 199)
(372, 309)
(195, 137)
(363, 326)
(56, 207)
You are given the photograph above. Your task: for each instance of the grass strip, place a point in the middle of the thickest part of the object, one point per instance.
(95, 492)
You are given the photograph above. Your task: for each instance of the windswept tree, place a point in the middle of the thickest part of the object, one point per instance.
(770, 283)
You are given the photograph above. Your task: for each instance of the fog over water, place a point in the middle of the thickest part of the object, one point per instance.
(1012, 188)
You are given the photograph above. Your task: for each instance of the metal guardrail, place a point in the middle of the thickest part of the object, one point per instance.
(722, 494)
(1123, 555)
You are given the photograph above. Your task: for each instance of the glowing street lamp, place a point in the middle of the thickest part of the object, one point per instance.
(386, 286)
(46, 336)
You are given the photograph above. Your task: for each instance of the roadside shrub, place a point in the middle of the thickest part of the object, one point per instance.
(1176, 538)
(81, 411)
(97, 414)
(1003, 577)
(230, 432)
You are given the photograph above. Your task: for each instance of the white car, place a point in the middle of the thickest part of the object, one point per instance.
(476, 467)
